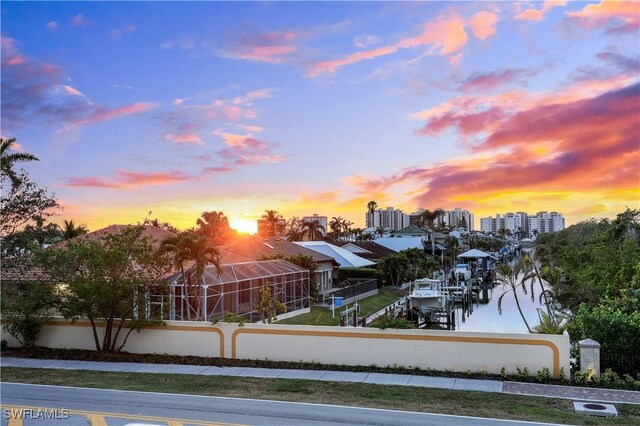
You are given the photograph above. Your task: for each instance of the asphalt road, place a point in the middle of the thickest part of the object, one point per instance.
(112, 407)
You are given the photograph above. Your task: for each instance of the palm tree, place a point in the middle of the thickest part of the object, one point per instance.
(70, 230)
(7, 160)
(215, 225)
(532, 272)
(427, 218)
(346, 226)
(380, 231)
(439, 214)
(508, 275)
(372, 206)
(336, 226)
(313, 229)
(195, 249)
(273, 220)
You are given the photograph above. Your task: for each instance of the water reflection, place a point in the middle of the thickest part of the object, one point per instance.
(486, 317)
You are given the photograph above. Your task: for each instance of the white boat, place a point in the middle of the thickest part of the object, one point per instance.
(462, 272)
(427, 295)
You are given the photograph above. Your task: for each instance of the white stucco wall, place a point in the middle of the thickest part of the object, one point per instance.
(438, 350)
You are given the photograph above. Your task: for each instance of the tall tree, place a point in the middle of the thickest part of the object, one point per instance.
(313, 229)
(372, 206)
(509, 276)
(273, 221)
(70, 230)
(214, 225)
(294, 230)
(191, 252)
(22, 203)
(8, 159)
(109, 282)
(336, 225)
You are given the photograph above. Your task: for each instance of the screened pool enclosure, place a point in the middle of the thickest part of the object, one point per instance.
(237, 290)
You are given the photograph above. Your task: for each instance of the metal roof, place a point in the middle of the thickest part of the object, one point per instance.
(245, 271)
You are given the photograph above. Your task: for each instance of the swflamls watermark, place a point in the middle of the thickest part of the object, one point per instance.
(35, 413)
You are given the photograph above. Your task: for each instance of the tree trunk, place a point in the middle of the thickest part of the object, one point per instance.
(106, 342)
(515, 295)
(95, 334)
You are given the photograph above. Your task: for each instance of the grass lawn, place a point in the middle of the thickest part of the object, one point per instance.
(443, 401)
(322, 316)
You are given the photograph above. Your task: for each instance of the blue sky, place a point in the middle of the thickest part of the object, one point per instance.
(178, 108)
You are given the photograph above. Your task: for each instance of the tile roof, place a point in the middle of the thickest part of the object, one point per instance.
(156, 235)
(21, 269)
(256, 246)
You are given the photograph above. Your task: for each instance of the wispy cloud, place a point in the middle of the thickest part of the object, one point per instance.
(242, 150)
(80, 21)
(52, 25)
(124, 179)
(183, 138)
(271, 46)
(489, 81)
(35, 92)
(533, 14)
(445, 35)
(614, 16)
(186, 120)
(119, 32)
(539, 148)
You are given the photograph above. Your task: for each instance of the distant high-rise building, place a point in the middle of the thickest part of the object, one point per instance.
(388, 218)
(457, 218)
(524, 224)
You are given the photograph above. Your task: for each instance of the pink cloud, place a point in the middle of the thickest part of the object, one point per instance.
(103, 114)
(184, 138)
(483, 24)
(80, 21)
(540, 148)
(538, 14)
(454, 60)
(330, 66)
(446, 35)
(37, 93)
(243, 149)
(490, 81)
(273, 46)
(615, 16)
(124, 179)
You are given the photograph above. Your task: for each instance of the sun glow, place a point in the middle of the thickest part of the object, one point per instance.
(243, 226)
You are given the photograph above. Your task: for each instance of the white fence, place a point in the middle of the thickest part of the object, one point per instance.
(434, 349)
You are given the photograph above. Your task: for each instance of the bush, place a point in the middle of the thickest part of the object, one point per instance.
(26, 307)
(345, 274)
(4, 345)
(388, 321)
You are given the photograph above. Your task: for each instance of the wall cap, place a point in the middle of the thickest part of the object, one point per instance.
(588, 343)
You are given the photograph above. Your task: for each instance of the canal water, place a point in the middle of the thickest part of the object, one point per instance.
(485, 317)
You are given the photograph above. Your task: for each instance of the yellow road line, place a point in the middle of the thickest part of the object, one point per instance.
(14, 422)
(95, 419)
(98, 418)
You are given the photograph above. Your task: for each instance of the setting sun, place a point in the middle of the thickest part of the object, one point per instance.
(243, 226)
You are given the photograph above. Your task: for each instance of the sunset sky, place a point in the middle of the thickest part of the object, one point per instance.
(179, 108)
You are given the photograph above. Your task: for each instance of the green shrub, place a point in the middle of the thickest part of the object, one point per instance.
(345, 274)
(388, 321)
(544, 375)
(26, 307)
